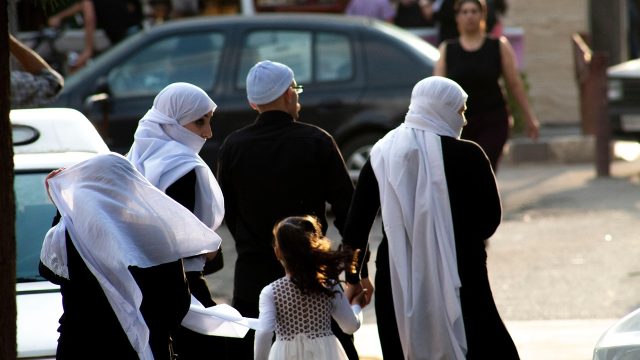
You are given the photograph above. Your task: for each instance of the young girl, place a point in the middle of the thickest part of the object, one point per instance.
(300, 305)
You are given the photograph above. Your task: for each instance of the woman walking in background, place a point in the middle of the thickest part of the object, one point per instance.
(477, 62)
(300, 305)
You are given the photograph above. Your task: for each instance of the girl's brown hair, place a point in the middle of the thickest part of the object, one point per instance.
(307, 255)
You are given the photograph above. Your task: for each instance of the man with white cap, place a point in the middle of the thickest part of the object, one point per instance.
(275, 168)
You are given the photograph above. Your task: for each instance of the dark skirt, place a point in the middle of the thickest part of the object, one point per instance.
(487, 337)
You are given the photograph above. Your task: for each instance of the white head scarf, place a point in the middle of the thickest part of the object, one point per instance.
(117, 219)
(164, 150)
(416, 212)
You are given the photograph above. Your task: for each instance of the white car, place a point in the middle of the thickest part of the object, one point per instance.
(43, 140)
(621, 341)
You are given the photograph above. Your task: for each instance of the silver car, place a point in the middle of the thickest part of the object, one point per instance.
(43, 140)
(621, 341)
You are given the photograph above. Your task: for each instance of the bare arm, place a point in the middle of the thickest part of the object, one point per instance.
(89, 16)
(516, 88)
(56, 20)
(441, 66)
(38, 83)
(30, 61)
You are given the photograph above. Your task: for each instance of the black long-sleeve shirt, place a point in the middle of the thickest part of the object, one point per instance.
(473, 195)
(270, 170)
(476, 214)
(165, 301)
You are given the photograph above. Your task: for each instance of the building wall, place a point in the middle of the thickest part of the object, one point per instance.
(548, 55)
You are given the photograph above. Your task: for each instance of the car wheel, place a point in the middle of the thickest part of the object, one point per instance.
(356, 152)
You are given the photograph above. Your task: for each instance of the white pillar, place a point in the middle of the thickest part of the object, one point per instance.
(247, 7)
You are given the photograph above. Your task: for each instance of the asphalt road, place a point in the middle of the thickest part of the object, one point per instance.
(564, 263)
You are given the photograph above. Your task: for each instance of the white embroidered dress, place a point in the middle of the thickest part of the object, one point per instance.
(302, 323)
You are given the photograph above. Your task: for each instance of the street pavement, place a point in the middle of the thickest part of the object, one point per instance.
(563, 264)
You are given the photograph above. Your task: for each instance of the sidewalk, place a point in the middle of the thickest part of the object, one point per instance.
(557, 143)
(535, 340)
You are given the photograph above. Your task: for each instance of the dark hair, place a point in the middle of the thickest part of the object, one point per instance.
(480, 3)
(500, 6)
(307, 255)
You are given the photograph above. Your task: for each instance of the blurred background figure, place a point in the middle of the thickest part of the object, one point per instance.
(414, 14)
(445, 16)
(37, 83)
(496, 10)
(118, 19)
(379, 9)
(165, 10)
(160, 11)
(477, 62)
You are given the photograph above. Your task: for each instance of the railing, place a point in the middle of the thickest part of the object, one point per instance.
(591, 76)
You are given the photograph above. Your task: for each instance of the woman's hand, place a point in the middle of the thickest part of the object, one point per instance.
(46, 180)
(360, 299)
(360, 293)
(368, 290)
(211, 255)
(352, 290)
(533, 127)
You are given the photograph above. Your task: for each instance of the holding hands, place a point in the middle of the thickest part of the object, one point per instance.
(360, 293)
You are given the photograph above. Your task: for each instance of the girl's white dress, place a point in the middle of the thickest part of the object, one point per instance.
(302, 323)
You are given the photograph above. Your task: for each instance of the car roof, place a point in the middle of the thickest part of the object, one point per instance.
(275, 18)
(48, 138)
(266, 20)
(627, 69)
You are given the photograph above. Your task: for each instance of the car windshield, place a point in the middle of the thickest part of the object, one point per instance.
(34, 213)
(416, 42)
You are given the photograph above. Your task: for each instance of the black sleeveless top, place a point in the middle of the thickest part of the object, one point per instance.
(478, 73)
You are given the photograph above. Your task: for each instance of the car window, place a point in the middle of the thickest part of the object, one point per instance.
(329, 58)
(292, 48)
(34, 213)
(192, 58)
(334, 59)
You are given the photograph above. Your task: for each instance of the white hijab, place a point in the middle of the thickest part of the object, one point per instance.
(164, 151)
(117, 219)
(416, 212)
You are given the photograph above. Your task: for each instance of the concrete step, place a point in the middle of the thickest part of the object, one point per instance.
(565, 145)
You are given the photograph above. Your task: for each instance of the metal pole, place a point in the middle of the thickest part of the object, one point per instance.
(598, 81)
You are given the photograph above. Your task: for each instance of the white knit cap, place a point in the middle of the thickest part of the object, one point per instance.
(267, 81)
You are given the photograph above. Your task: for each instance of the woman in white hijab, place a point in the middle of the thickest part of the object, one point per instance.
(165, 150)
(439, 204)
(115, 250)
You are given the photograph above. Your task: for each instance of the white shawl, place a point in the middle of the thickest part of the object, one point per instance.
(416, 212)
(164, 151)
(117, 219)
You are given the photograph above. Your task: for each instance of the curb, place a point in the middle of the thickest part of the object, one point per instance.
(557, 149)
(569, 339)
